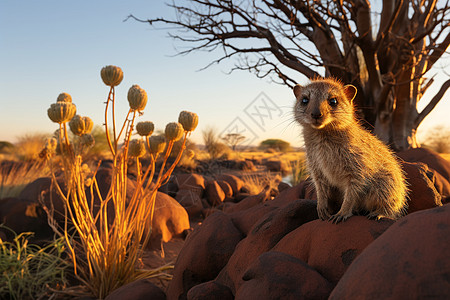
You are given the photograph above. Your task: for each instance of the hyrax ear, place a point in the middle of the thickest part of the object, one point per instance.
(297, 90)
(350, 92)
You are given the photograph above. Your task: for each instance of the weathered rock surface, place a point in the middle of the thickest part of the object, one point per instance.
(407, 261)
(210, 290)
(263, 236)
(24, 216)
(169, 220)
(331, 248)
(191, 201)
(204, 254)
(137, 290)
(276, 275)
(422, 191)
(226, 188)
(214, 193)
(193, 182)
(432, 159)
(235, 182)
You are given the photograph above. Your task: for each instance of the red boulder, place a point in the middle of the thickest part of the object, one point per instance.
(276, 275)
(205, 252)
(331, 248)
(408, 261)
(264, 235)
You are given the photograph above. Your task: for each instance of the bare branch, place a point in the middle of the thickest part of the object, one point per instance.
(388, 17)
(272, 37)
(430, 106)
(437, 52)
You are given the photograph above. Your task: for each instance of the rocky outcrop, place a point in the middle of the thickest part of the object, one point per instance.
(406, 262)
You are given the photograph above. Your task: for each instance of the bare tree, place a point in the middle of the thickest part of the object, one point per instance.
(385, 54)
(233, 139)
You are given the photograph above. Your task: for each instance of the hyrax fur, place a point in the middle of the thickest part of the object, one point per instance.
(353, 171)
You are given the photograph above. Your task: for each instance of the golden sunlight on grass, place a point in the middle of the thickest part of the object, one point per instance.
(15, 176)
(287, 156)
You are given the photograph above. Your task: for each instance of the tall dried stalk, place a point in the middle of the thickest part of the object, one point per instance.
(105, 249)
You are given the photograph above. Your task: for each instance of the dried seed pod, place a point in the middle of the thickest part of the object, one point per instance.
(111, 75)
(88, 124)
(77, 125)
(61, 112)
(136, 148)
(188, 119)
(174, 131)
(49, 148)
(145, 128)
(81, 125)
(157, 144)
(64, 97)
(137, 98)
(87, 140)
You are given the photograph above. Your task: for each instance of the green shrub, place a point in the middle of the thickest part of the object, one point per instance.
(6, 147)
(275, 144)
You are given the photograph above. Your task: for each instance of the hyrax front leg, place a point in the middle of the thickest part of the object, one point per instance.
(351, 198)
(323, 195)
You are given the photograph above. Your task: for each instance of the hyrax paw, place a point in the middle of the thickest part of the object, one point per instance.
(323, 213)
(339, 217)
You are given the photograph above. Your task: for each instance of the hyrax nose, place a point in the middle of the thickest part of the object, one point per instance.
(316, 114)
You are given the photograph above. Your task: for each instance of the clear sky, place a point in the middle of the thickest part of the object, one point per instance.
(49, 47)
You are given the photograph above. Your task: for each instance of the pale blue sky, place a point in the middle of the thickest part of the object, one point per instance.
(49, 47)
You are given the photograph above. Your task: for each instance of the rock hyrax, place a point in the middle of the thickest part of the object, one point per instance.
(352, 170)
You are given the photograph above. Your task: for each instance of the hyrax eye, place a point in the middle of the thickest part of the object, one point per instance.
(333, 101)
(304, 101)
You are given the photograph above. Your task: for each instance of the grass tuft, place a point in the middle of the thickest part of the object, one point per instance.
(29, 271)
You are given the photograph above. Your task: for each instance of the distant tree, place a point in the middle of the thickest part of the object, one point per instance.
(275, 144)
(233, 139)
(385, 52)
(215, 148)
(6, 147)
(438, 139)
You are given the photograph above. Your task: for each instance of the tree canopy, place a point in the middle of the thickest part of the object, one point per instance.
(386, 51)
(275, 144)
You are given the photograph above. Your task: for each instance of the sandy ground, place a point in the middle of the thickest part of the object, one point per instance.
(154, 259)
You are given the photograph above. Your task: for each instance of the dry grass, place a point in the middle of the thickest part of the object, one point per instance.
(14, 176)
(299, 172)
(259, 155)
(256, 183)
(28, 146)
